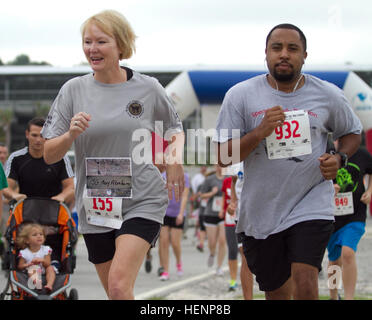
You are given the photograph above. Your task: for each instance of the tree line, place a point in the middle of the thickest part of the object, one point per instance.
(24, 60)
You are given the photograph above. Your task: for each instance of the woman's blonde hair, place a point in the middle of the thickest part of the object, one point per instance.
(24, 234)
(116, 26)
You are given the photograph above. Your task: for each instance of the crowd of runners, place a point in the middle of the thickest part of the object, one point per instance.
(289, 165)
(209, 206)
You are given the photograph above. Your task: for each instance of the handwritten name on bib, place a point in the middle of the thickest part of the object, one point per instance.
(109, 181)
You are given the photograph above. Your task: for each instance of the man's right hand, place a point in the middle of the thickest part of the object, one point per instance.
(274, 117)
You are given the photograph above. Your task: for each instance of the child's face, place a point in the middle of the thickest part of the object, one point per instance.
(36, 237)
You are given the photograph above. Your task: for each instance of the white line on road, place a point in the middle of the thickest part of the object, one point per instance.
(175, 286)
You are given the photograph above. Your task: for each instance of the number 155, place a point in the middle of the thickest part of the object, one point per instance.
(102, 204)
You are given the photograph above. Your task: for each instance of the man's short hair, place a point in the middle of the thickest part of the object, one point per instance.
(288, 26)
(37, 121)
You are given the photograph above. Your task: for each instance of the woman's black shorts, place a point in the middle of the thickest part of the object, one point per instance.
(101, 246)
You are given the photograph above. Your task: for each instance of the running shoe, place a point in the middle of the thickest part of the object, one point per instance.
(210, 261)
(233, 285)
(219, 272)
(164, 276)
(338, 297)
(200, 247)
(179, 269)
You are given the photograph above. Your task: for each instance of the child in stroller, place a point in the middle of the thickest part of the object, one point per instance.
(35, 256)
(61, 236)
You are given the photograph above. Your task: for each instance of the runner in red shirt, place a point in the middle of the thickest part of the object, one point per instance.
(231, 238)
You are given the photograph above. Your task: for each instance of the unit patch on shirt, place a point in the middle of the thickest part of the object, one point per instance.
(135, 109)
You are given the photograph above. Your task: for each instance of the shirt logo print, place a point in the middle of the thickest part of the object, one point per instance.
(135, 109)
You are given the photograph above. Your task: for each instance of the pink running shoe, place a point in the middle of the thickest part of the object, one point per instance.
(179, 269)
(164, 276)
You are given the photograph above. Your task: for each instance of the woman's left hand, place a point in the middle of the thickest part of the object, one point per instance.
(175, 180)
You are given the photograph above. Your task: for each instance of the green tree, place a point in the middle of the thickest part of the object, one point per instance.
(42, 110)
(24, 60)
(41, 63)
(1, 62)
(20, 60)
(6, 116)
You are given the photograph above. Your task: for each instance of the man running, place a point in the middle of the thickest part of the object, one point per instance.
(284, 117)
(351, 203)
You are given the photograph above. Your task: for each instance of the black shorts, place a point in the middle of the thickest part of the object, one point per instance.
(213, 220)
(270, 259)
(101, 246)
(171, 222)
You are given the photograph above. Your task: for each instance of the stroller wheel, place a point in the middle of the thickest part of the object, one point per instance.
(73, 295)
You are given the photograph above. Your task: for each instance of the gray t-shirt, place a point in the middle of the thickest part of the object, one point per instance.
(209, 183)
(116, 110)
(282, 192)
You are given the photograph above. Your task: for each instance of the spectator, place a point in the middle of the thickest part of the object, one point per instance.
(29, 176)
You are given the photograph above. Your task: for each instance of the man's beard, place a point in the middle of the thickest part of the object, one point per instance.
(287, 77)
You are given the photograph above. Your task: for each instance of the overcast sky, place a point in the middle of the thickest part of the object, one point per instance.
(189, 32)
